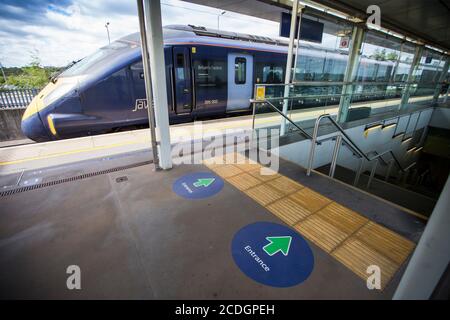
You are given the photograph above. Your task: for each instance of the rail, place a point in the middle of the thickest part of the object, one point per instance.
(17, 98)
(350, 143)
(254, 102)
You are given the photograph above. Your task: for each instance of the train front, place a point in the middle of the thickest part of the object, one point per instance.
(58, 99)
(61, 110)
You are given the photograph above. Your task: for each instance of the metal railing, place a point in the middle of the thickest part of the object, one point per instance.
(306, 134)
(343, 139)
(17, 98)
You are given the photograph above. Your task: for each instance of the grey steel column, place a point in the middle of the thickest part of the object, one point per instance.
(441, 80)
(152, 10)
(148, 82)
(350, 73)
(334, 159)
(287, 77)
(372, 174)
(432, 254)
(414, 65)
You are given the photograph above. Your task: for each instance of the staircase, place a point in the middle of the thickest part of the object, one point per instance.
(388, 190)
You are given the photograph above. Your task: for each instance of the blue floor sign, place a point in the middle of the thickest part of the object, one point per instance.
(272, 254)
(198, 185)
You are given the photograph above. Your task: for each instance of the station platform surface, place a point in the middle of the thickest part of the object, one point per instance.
(46, 154)
(134, 237)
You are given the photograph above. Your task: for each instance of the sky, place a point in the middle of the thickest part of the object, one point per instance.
(60, 31)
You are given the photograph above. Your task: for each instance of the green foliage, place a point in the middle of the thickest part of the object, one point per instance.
(31, 76)
(383, 55)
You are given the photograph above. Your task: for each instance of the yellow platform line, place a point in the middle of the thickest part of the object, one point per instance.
(347, 236)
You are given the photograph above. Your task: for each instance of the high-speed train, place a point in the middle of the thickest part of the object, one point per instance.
(208, 73)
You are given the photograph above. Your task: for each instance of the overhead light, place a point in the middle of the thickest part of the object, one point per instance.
(407, 139)
(418, 149)
(398, 135)
(411, 149)
(389, 125)
(372, 127)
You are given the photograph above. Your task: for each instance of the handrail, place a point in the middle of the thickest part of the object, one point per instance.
(283, 115)
(349, 141)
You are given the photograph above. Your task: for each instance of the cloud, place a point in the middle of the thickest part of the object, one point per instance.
(60, 31)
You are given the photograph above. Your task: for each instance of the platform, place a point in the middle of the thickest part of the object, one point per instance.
(133, 237)
(34, 156)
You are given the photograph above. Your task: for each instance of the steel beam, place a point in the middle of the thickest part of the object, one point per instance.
(414, 65)
(287, 77)
(148, 82)
(152, 9)
(350, 73)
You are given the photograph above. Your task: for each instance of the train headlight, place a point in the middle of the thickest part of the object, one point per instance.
(58, 92)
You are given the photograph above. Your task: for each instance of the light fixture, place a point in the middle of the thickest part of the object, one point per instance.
(418, 149)
(407, 139)
(372, 127)
(389, 125)
(411, 149)
(398, 135)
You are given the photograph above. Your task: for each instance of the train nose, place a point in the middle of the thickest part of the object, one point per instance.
(31, 124)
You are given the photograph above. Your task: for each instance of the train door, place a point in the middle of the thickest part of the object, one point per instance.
(182, 80)
(240, 81)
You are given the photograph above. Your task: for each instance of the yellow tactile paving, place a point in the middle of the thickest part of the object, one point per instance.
(264, 194)
(349, 237)
(264, 177)
(243, 181)
(343, 218)
(227, 170)
(310, 200)
(285, 185)
(357, 256)
(321, 232)
(248, 166)
(390, 244)
(288, 211)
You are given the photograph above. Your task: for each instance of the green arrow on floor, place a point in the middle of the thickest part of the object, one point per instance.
(206, 182)
(277, 244)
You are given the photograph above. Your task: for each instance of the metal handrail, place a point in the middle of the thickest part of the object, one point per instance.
(349, 141)
(306, 134)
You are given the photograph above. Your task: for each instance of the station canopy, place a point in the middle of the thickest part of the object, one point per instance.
(425, 21)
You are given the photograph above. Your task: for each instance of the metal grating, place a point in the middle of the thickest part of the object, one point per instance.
(70, 179)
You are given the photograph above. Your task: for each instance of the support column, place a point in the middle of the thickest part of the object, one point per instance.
(414, 65)
(441, 80)
(158, 74)
(432, 254)
(350, 72)
(148, 82)
(287, 77)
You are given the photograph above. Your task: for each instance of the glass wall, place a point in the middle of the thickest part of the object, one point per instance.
(426, 76)
(381, 74)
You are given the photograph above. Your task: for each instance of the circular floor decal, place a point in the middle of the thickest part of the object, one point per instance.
(272, 254)
(198, 185)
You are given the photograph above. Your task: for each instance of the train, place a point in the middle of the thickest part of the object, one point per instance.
(209, 73)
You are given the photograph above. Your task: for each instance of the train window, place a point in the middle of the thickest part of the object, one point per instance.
(210, 73)
(179, 68)
(239, 70)
(272, 74)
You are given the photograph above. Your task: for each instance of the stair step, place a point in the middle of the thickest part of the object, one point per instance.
(386, 190)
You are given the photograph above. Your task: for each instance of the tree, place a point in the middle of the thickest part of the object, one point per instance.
(392, 56)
